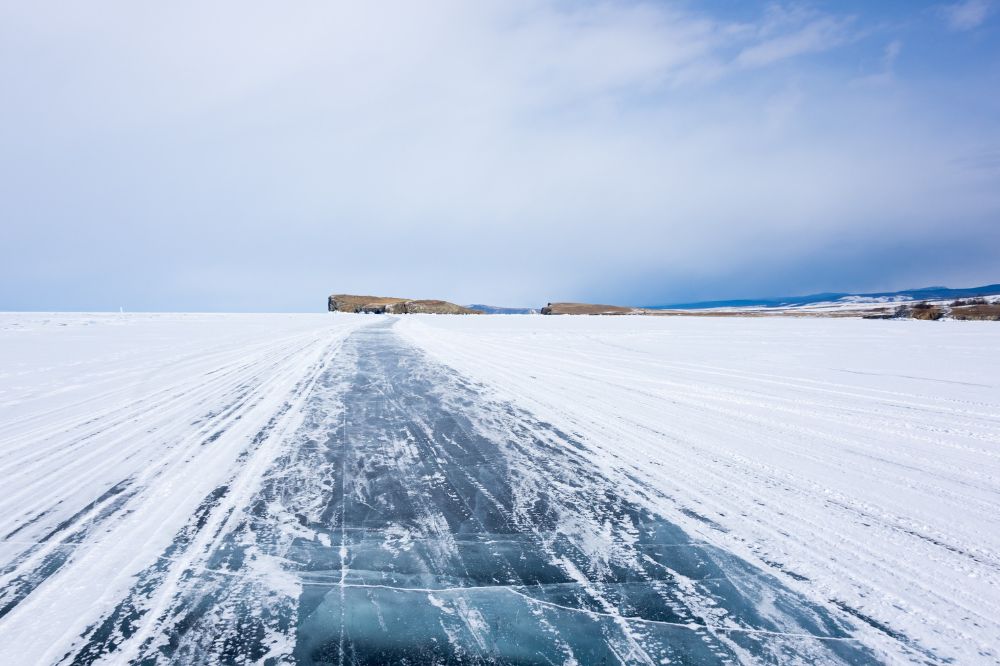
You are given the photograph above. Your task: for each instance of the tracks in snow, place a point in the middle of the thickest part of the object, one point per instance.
(883, 494)
(409, 518)
(332, 496)
(104, 483)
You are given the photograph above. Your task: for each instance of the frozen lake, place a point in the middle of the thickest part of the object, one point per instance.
(362, 489)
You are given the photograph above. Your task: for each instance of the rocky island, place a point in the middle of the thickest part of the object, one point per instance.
(391, 305)
(589, 309)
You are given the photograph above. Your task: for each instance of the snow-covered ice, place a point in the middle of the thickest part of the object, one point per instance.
(505, 489)
(859, 460)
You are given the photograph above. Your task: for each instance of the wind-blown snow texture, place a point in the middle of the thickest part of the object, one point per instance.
(345, 488)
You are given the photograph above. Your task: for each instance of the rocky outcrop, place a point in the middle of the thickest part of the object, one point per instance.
(926, 311)
(390, 305)
(435, 307)
(587, 309)
(968, 310)
(976, 309)
(353, 303)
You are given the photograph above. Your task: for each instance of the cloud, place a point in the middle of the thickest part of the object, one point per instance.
(251, 155)
(892, 51)
(967, 15)
(815, 36)
(887, 66)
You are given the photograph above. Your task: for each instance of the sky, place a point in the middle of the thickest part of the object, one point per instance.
(258, 156)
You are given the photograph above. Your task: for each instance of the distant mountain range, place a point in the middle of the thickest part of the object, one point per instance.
(926, 293)
(843, 303)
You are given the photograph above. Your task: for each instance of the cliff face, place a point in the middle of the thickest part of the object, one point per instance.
(436, 307)
(587, 309)
(353, 303)
(982, 312)
(390, 305)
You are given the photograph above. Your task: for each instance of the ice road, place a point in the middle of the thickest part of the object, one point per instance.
(201, 489)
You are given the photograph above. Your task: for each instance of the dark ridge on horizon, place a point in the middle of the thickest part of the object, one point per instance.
(923, 293)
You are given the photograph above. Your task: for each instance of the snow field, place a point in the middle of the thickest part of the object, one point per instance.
(159, 408)
(860, 460)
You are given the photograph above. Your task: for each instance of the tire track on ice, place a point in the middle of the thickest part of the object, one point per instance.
(41, 559)
(667, 421)
(136, 624)
(117, 539)
(412, 519)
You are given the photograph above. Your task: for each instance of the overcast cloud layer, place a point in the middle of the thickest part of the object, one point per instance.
(260, 155)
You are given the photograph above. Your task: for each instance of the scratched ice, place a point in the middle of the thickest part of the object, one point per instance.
(413, 520)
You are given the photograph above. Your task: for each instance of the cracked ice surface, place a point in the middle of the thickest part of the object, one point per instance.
(347, 498)
(857, 460)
